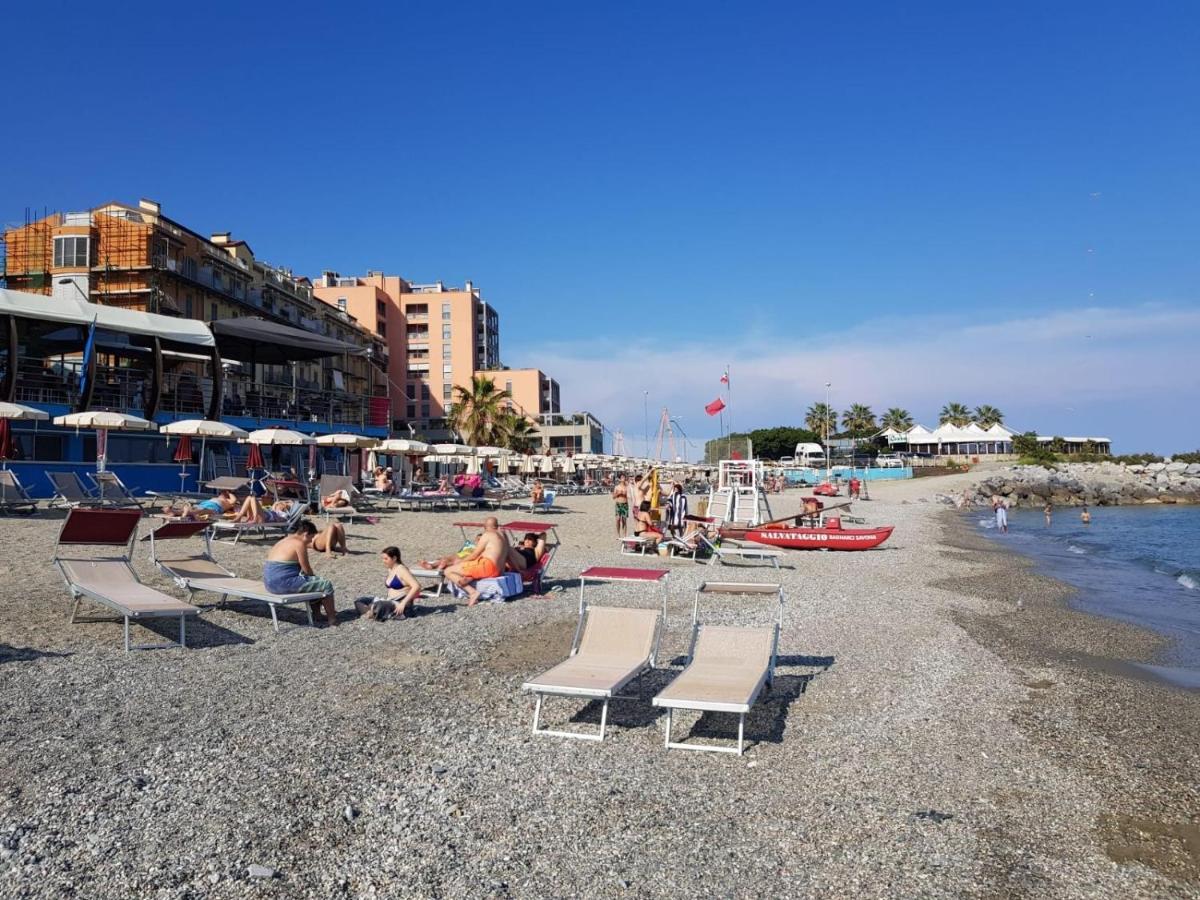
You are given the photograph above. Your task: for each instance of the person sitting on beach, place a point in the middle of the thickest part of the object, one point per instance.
(253, 511)
(485, 561)
(331, 539)
(383, 480)
(538, 493)
(403, 590)
(339, 499)
(644, 526)
(444, 485)
(203, 511)
(287, 570)
(527, 553)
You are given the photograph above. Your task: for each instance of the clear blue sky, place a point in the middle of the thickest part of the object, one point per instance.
(918, 202)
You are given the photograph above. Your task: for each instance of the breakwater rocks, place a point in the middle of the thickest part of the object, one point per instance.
(1096, 484)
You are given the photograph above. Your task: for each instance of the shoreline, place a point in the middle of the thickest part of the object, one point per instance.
(1094, 705)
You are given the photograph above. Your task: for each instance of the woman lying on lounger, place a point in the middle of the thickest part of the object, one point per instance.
(253, 511)
(212, 508)
(402, 591)
(287, 570)
(339, 499)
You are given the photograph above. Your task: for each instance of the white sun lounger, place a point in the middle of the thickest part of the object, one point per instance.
(13, 496)
(70, 491)
(237, 529)
(110, 580)
(112, 490)
(198, 571)
(332, 483)
(739, 551)
(728, 666)
(613, 646)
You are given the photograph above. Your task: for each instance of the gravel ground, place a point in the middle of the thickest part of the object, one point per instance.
(894, 756)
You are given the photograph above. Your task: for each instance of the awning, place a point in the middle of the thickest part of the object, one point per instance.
(174, 332)
(257, 340)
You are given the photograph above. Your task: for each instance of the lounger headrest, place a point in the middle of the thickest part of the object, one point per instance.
(100, 527)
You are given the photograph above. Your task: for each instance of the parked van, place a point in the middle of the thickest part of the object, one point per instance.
(812, 455)
(889, 461)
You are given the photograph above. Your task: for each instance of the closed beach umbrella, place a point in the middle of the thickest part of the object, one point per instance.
(547, 465)
(183, 451)
(255, 459)
(6, 442)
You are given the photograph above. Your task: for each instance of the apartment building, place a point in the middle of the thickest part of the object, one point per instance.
(534, 393)
(437, 337)
(136, 257)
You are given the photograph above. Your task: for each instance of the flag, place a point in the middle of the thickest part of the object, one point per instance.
(725, 378)
(88, 367)
(715, 407)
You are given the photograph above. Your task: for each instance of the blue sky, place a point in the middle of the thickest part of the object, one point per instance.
(918, 202)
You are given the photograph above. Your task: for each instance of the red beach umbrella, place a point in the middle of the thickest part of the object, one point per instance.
(254, 460)
(6, 441)
(183, 452)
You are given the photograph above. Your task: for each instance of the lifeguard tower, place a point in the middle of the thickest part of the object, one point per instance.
(738, 498)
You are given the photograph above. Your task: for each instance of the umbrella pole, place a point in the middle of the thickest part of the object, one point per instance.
(101, 457)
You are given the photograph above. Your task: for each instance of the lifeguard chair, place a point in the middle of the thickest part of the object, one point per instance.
(738, 498)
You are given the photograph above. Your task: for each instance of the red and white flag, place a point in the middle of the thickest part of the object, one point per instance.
(725, 378)
(715, 407)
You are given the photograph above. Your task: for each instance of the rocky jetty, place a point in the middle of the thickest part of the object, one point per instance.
(1096, 484)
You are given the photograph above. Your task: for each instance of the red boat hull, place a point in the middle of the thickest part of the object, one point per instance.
(820, 538)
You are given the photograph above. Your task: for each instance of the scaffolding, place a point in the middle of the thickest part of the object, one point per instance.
(27, 251)
(126, 270)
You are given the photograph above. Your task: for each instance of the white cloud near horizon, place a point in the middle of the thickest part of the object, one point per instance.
(1129, 373)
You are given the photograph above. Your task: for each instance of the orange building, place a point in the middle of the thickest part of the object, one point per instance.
(534, 393)
(437, 338)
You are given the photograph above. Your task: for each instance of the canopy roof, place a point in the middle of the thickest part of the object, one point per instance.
(254, 339)
(174, 332)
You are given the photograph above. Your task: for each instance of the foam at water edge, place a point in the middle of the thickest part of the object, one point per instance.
(1189, 582)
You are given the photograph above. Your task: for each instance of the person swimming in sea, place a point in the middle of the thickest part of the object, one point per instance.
(1085, 517)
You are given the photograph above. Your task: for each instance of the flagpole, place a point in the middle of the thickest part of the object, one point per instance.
(728, 398)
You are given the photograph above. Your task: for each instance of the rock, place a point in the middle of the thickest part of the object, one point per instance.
(1156, 467)
(257, 871)
(1177, 467)
(1193, 469)
(349, 813)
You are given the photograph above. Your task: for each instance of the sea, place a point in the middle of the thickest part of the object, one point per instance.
(1139, 564)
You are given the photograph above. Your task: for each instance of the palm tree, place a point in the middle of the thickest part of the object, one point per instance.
(897, 419)
(821, 419)
(987, 416)
(515, 432)
(477, 410)
(955, 414)
(859, 420)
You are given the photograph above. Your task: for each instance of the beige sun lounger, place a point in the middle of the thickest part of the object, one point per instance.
(739, 551)
(198, 571)
(331, 483)
(110, 580)
(237, 529)
(728, 666)
(613, 646)
(13, 496)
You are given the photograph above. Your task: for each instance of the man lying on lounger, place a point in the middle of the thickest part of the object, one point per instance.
(205, 510)
(485, 561)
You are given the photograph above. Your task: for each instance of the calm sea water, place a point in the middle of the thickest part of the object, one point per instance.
(1135, 563)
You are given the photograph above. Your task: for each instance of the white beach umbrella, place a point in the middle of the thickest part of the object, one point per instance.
(21, 412)
(547, 466)
(203, 429)
(103, 421)
(452, 450)
(283, 437)
(342, 439)
(492, 452)
(529, 464)
(404, 446)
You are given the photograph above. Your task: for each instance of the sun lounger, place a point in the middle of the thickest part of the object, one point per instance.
(197, 571)
(13, 496)
(237, 529)
(728, 666)
(70, 491)
(232, 483)
(613, 645)
(110, 580)
(112, 491)
(731, 550)
(636, 545)
(331, 484)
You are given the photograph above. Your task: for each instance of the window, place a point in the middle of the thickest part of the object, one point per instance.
(189, 268)
(425, 392)
(70, 252)
(508, 387)
(412, 411)
(445, 332)
(187, 306)
(445, 351)
(425, 410)
(447, 392)
(380, 308)
(447, 369)
(342, 304)
(381, 329)
(216, 312)
(445, 312)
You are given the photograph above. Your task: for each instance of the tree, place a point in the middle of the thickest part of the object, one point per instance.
(897, 419)
(859, 421)
(775, 443)
(515, 432)
(477, 411)
(955, 414)
(821, 419)
(987, 416)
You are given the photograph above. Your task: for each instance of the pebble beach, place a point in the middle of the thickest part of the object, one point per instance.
(925, 737)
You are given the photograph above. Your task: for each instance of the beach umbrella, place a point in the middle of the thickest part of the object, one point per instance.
(452, 450)
(205, 429)
(345, 442)
(103, 421)
(568, 465)
(255, 458)
(6, 442)
(404, 446)
(20, 411)
(278, 437)
(547, 467)
(183, 456)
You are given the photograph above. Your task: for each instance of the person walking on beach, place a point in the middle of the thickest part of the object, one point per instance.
(620, 495)
(1001, 509)
(287, 570)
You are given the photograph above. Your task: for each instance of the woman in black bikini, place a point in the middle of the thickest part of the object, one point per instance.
(402, 591)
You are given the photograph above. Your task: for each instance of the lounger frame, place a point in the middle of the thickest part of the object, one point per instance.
(765, 681)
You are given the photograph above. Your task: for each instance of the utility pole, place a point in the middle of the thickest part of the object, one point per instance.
(646, 419)
(828, 412)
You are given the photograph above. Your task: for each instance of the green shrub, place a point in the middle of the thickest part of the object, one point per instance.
(1193, 457)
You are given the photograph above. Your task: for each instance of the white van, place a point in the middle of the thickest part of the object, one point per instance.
(810, 455)
(889, 461)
